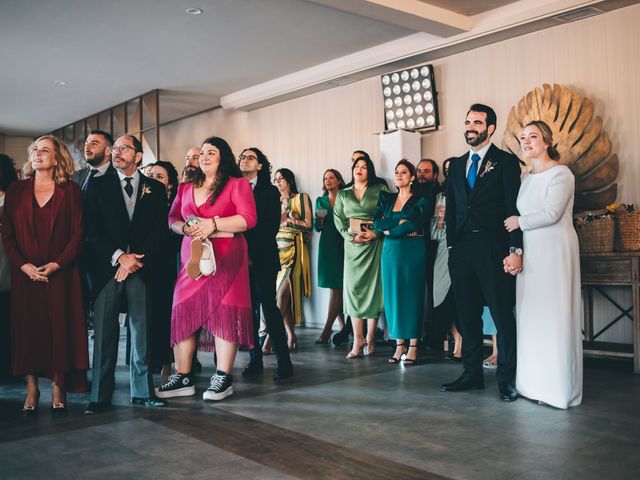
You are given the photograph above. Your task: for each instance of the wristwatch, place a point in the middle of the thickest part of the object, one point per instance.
(516, 250)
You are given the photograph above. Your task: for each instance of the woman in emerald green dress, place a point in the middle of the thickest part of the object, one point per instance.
(353, 216)
(330, 251)
(401, 217)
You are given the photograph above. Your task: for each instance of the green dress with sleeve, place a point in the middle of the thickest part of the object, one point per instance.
(330, 248)
(362, 279)
(403, 264)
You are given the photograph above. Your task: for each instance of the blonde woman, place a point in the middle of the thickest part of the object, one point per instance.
(42, 235)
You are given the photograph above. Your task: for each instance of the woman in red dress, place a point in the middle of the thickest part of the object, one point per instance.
(42, 235)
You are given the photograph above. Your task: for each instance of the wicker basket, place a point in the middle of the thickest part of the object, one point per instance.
(595, 231)
(627, 231)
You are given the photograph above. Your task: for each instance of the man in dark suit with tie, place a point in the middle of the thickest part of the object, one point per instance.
(264, 263)
(126, 226)
(482, 189)
(97, 153)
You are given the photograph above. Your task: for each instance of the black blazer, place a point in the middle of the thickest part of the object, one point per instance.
(81, 176)
(489, 203)
(261, 240)
(109, 228)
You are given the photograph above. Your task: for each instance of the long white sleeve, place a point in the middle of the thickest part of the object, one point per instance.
(559, 192)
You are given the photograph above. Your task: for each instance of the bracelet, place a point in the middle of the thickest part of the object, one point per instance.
(183, 232)
(214, 225)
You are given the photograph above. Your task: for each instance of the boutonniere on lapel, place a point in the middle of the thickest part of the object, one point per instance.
(145, 190)
(487, 168)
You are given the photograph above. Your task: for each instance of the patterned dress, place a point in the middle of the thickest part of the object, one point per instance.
(293, 249)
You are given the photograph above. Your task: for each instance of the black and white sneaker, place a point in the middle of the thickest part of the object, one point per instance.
(179, 385)
(220, 387)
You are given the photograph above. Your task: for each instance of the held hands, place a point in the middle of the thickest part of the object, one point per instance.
(512, 223)
(512, 264)
(129, 263)
(40, 274)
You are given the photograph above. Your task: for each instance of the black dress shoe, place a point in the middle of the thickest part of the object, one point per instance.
(508, 393)
(282, 374)
(152, 402)
(97, 407)
(464, 382)
(253, 368)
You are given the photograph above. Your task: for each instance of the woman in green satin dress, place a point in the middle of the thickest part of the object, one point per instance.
(362, 249)
(401, 217)
(330, 251)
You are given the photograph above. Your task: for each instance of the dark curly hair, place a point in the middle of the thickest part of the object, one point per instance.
(227, 167)
(172, 173)
(264, 174)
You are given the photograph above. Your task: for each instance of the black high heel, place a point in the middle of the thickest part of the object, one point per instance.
(31, 410)
(394, 359)
(411, 361)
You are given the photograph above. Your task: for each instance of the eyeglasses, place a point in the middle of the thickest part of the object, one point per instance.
(248, 158)
(121, 148)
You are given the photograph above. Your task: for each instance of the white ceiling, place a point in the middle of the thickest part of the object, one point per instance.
(238, 53)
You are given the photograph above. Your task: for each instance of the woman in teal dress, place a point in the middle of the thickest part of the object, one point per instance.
(353, 216)
(401, 217)
(330, 251)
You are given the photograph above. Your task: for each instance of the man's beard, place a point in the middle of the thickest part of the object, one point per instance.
(190, 173)
(480, 138)
(96, 160)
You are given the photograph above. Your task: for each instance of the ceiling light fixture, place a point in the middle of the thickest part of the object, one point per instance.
(60, 83)
(194, 11)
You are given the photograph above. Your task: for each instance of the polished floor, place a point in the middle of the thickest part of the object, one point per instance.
(337, 418)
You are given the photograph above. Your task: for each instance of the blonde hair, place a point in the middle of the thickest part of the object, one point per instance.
(64, 162)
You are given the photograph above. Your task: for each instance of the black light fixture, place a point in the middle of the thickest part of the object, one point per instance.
(410, 101)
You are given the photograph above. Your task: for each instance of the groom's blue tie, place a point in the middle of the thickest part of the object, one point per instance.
(473, 170)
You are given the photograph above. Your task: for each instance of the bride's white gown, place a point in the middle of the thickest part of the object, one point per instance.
(548, 292)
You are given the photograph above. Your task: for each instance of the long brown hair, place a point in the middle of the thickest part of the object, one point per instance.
(64, 162)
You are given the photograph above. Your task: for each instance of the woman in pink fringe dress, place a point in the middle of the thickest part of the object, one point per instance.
(219, 304)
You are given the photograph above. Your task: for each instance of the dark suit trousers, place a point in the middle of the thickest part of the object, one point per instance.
(263, 293)
(478, 278)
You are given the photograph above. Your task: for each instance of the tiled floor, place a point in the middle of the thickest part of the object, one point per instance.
(338, 418)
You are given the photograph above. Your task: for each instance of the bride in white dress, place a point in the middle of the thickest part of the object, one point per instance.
(548, 289)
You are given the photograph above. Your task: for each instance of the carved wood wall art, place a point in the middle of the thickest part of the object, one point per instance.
(583, 144)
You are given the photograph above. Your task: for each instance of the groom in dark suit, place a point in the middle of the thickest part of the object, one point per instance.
(482, 189)
(264, 263)
(126, 225)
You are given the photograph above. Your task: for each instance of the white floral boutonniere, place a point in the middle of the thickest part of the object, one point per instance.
(487, 168)
(145, 190)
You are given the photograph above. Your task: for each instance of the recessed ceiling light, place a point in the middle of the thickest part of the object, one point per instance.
(194, 11)
(60, 82)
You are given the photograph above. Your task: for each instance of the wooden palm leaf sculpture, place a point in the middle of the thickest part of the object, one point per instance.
(583, 144)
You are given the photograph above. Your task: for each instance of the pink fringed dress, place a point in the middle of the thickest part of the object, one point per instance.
(219, 304)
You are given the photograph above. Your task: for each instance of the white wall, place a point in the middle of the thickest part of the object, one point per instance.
(598, 55)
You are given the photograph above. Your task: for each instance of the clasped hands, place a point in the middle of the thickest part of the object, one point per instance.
(40, 274)
(129, 263)
(201, 230)
(364, 237)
